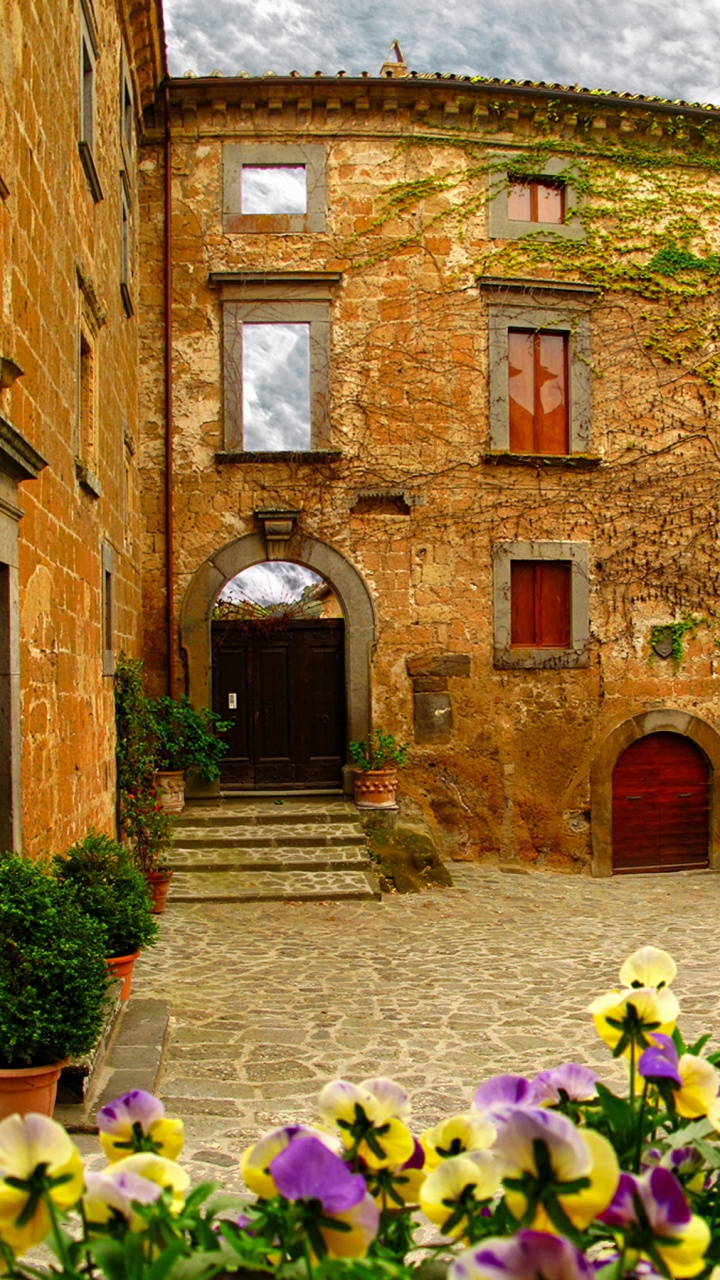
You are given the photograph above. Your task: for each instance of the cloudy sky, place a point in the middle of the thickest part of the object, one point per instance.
(670, 48)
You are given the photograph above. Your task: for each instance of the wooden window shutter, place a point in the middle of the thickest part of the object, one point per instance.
(538, 392)
(540, 604)
(537, 200)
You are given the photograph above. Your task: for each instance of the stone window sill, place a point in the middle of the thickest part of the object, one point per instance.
(573, 461)
(87, 479)
(311, 456)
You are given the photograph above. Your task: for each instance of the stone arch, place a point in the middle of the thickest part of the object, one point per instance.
(666, 720)
(346, 582)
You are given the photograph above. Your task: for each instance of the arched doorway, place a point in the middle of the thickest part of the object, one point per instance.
(668, 722)
(279, 680)
(661, 805)
(347, 584)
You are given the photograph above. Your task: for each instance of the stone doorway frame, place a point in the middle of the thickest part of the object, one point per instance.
(360, 628)
(664, 721)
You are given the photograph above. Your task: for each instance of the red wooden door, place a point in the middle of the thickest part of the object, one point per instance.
(284, 695)
(661, 805)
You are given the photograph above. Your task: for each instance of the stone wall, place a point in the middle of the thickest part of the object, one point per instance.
(414, 485)
(71, 330)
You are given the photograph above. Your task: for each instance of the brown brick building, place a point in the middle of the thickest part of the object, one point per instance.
(74, 79)
(499, 302)
(452, 345)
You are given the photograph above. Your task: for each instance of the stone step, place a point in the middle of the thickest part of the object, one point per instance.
(300, 835)
(264, 813)
(263, 858)
(272, 886)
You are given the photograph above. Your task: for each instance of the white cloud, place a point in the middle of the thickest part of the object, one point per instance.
(641, 46)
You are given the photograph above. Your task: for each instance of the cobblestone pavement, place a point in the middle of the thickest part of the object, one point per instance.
(440, 990)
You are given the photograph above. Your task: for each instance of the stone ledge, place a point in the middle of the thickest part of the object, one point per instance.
(132, 1061)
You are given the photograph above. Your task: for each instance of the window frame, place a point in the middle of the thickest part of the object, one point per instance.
(536, 306)
(576, 655)
(107, 606)
(88, 57)
(311, 157)
(501, 227)
(279, 298)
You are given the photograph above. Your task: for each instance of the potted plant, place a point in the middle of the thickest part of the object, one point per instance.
(53, 979)
(142, 819)
(377, 759)
(114, 895)
(184, 738)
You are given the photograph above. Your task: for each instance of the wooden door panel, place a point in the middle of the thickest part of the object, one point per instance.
(231, 687)
(289, 724)
(661, 805)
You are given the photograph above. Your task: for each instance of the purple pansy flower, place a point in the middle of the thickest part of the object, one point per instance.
(500, 1094)
(661, 1196)
(308, 1170)
(574, 1080)
(136, 1107)
(660, 1060)
(529, 1255)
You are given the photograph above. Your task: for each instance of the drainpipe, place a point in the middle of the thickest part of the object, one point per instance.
(169, 520)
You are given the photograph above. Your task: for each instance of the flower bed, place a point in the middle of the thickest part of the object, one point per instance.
(555, 1178)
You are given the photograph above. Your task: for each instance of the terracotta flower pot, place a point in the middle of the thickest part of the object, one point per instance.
(375, 788)
(158, 883)
(121, 967)
(170, 788)
(25, 1089)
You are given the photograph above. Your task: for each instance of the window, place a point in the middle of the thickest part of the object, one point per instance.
(536, 200)
(108, 610)
(276, 355)
(88, 59)
(539, 367)
(125, 251)
(541, 602)
(521, 205)
(273, 188)
(92, 317)
(537, 391)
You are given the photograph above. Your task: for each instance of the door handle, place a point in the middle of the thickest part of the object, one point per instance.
(633, 797)
(683, 795)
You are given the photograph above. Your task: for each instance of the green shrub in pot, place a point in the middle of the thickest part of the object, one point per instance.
(53, 973)
(112, 892)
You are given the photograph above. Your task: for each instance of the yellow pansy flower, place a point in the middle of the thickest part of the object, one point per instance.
(36, 1152)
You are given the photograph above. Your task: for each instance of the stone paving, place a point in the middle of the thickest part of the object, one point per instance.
(440, 990)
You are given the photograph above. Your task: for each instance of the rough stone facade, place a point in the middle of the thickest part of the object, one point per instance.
(410, 479)
(74, 78)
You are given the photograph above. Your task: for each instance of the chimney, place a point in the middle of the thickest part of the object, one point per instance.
(395, 69)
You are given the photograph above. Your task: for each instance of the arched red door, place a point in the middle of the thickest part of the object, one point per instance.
(661, 805)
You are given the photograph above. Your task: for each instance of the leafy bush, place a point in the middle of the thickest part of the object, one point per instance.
(379, 751)
(141, 818)
(112, 892)
(186, 738)
(53, 974)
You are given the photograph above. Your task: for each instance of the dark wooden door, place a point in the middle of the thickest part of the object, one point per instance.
(661, 805)
(284, 693)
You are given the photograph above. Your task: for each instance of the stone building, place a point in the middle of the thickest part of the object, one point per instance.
(74, 80)
(452, 345)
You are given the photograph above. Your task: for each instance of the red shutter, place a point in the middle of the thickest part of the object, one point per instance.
(550, 197)
(540, 604)
(537, 392)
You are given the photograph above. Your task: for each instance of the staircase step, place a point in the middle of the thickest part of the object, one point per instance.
(299, 836)
(263, 858)
(272, 886)
(245, 813)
